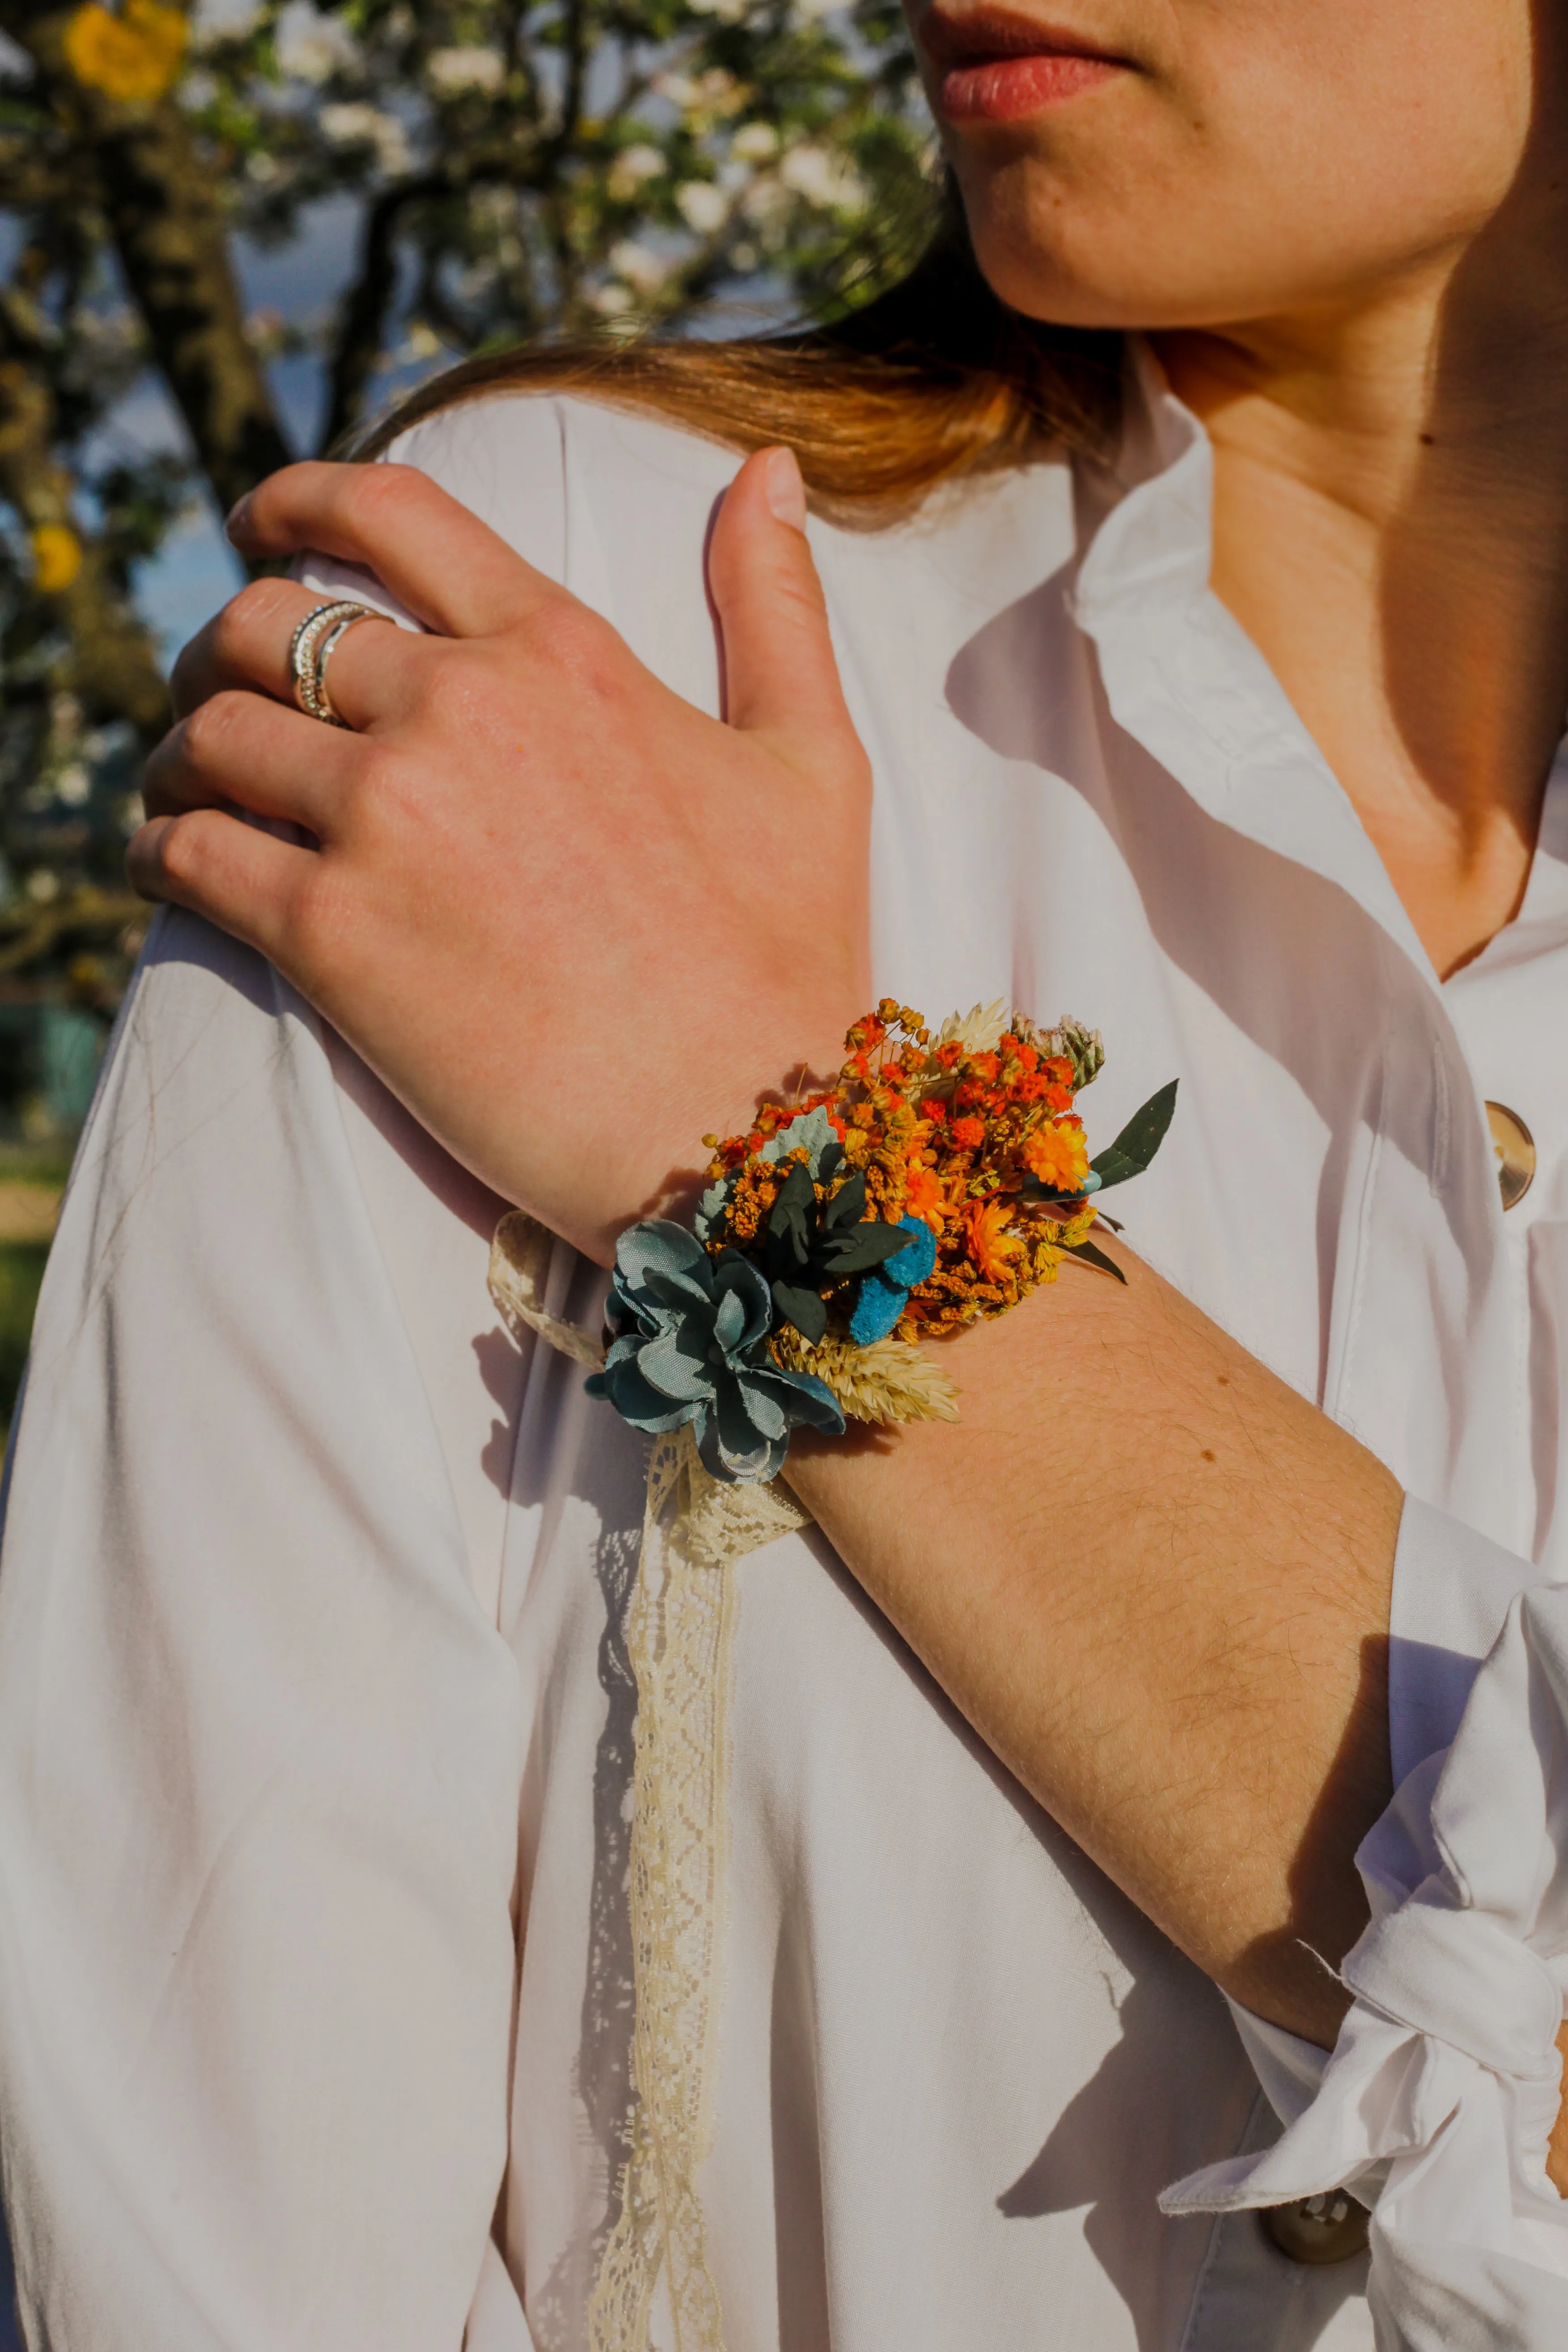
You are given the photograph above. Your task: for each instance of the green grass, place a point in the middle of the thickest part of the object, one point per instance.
(21, 1271)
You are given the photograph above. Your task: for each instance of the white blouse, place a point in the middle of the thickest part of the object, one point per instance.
(315, 1716)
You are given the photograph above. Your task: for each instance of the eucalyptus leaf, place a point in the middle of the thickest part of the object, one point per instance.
(861, 1248)
(848, 1206)
(1087, 1253)
(793, 1214)
(803, 1308)
(1138, 1141)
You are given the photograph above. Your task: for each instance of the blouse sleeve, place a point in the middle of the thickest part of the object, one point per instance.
(259, 1750)
(1437, 2102)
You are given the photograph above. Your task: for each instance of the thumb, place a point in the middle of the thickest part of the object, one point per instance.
(780, 675)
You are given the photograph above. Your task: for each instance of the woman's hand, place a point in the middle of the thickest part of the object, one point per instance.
(571, 922)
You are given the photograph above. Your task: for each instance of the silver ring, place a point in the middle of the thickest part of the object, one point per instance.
(310, 648)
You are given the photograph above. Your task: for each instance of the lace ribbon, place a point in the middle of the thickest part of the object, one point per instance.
(680, 1627)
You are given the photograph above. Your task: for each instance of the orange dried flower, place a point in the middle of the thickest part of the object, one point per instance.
(1058, 1156)
(922, 1195)
(994, 1250)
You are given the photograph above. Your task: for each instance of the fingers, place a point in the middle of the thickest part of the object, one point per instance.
(246, 644)
(450, 570)
(239, 750)
(247, 882)
(780, 675)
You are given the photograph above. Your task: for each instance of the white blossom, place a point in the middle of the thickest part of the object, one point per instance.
(757, 142)
(763, 203)
(639, 265)
(702, 205)
(466, 68)
(713, 93)
(353, 124)
(823, 179)
(632, 167)
(311, 47)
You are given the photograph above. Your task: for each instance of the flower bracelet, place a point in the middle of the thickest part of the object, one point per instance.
(938, 1179)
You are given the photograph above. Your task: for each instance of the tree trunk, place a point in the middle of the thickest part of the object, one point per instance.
(140, 161)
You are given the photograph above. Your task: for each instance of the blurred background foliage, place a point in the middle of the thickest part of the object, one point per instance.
(233, 237)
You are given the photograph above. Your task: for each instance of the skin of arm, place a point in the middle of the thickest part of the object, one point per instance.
(1153, 1577)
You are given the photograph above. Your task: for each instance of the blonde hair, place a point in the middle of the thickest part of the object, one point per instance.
(931, 381)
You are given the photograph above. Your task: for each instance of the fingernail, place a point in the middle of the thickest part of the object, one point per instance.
(783, 489)
(238, 516)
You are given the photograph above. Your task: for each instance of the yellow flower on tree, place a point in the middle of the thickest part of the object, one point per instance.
(57, 557)
(136, 54)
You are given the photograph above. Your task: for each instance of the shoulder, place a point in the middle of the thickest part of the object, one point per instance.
(618, 505)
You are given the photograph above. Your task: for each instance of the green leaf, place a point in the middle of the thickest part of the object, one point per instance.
(848, 1206)
(1088, 1252)
(803, 1308)
(793, 1216)
(1138, 1141)
(861, 1248)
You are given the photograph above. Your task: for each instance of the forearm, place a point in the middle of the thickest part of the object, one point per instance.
(1157, 1583)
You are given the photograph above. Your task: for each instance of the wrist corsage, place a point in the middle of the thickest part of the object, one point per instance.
(939, 1180)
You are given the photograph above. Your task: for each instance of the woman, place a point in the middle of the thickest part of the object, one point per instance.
(1213, 693)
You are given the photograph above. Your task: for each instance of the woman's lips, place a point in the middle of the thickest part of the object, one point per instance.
(1001, 89)
(996, 64)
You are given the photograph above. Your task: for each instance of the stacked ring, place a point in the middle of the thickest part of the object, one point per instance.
(310, 648)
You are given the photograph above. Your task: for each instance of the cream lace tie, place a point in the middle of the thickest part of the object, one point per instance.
(679, 1636)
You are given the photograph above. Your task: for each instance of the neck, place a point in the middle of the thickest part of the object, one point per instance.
(1390, 527)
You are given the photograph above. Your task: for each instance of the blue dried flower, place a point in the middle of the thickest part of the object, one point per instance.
(690, 1343)
(884, 1293)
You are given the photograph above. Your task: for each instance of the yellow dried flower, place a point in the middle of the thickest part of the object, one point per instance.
(888, 1381)
(136, 54)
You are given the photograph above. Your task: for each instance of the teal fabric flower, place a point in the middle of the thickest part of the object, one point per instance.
(690, 1343)
(884, 1292)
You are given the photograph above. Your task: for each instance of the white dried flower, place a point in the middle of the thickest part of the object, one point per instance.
(977, 1030)
(702, 206)
(450, 70)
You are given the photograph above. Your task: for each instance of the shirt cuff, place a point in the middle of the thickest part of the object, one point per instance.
(1437, 2102)
(1452, 1588)
(1289, 2070)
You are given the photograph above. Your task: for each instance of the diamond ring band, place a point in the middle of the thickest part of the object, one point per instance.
(311, 647)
